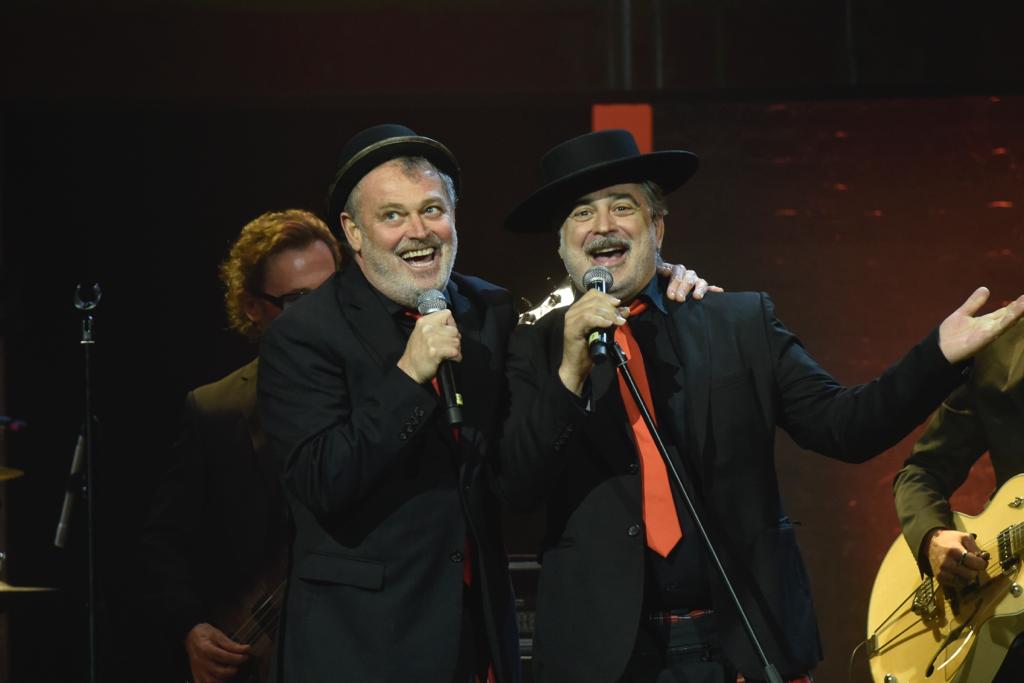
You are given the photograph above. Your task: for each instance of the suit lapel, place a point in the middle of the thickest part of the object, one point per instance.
(265, 463)
(690, 337)
(247, 389)
(370, 320)
(608, 427)
(472, 376)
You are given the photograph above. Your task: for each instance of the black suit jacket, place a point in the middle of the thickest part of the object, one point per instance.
(383, 497)
(215, 535)
(741, 374)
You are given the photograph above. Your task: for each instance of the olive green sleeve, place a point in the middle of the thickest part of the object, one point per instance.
(940, 462)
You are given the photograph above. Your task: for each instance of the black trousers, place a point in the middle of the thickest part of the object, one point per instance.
(680, 650)
(474, 659)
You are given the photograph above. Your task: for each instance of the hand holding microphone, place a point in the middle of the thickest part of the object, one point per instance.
(586, 338)
(434, 343)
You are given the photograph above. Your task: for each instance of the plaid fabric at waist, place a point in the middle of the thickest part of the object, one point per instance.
(677, 616)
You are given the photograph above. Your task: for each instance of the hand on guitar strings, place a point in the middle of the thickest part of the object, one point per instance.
(955, 557)
(212, 656)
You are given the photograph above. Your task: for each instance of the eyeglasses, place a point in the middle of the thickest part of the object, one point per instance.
(285, 300)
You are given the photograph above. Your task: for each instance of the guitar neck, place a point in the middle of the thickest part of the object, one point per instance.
(264, 617)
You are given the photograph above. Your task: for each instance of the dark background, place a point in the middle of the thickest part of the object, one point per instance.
(860, 162)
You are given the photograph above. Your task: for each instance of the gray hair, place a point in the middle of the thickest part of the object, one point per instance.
(655, 197)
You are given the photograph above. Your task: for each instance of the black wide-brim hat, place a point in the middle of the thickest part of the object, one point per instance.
(370, 148)
(591, 162)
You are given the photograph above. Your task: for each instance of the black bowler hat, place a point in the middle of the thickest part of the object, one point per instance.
(591, 162)
(370, 148)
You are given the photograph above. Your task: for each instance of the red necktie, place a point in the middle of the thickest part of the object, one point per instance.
(661, 521)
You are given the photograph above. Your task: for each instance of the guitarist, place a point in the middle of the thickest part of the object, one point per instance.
(986, 413)
(215, 538)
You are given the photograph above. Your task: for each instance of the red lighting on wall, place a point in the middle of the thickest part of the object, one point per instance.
(638, 119)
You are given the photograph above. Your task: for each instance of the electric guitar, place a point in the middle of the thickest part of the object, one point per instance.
(561, 296)
(923, 631)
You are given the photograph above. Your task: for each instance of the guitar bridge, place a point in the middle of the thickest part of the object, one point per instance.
(924, 604)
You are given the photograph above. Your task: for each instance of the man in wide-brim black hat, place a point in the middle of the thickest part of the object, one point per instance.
(398, 569)
(627, 591)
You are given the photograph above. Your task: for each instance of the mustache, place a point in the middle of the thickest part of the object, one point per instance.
(605, 243)
(412, 244)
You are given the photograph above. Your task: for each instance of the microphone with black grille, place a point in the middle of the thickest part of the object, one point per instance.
(599, 278)
(431, 301)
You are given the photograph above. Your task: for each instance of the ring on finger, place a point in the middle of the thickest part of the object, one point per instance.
(963, 558)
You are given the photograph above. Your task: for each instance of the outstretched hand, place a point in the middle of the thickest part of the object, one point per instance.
(683, 282)
(962, 335)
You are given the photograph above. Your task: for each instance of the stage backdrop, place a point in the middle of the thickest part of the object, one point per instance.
(867, 220)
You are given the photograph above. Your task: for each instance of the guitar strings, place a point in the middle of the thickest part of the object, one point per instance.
(257, 622)
(263, 618)
(991, 571)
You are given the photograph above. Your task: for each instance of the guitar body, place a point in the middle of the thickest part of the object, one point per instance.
(920, 631)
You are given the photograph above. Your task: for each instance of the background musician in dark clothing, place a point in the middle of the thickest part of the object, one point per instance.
(215, 540)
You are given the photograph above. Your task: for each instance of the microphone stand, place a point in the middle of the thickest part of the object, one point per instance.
(771, 674)
(87, 305)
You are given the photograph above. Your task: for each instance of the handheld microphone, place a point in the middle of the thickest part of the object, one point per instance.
(431, 301)
(599, 278)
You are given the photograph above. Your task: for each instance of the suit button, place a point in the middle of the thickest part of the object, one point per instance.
(456, 556)
(633, 468)
(633, 530)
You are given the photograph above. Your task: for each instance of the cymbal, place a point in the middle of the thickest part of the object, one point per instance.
(9, 473)
(8, 588)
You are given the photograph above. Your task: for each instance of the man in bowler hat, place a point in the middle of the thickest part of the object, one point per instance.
(398, 571)
(627, 592)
